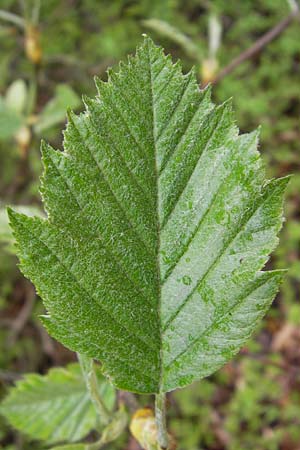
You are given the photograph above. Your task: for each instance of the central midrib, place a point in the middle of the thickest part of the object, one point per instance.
(156, 171)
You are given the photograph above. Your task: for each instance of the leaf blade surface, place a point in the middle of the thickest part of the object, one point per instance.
(160, 220)
(55, 407)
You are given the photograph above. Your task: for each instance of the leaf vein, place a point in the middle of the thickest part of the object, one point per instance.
(217, 259)
(215, 323)
(120, 156)
(118, 264)
(114, 195)
(166, 219)
(90, 295)
(115, 109)
(197, 228)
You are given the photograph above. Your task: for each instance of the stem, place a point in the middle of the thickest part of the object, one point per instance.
(36, 12)
(113, 430)
(260, 44)
(95, 445)
(12, 18)
(88, 370)
(293, 4)
(161, 422)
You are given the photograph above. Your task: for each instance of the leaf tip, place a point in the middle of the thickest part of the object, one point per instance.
(13, 216)
(148, 42)
(46, 152)
(43, 147)
(88, 103)
(70, 115)
(282, 183)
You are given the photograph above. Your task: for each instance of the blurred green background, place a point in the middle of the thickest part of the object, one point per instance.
(49, 53)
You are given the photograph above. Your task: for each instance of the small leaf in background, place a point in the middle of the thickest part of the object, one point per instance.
(55, 110)
(163, 28)
(55, 407)
(16, 96)
(161, 220)
(10, 121)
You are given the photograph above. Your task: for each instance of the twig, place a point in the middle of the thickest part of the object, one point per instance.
(9, 377)
(129, 399)
(46, 341)
(12, 18)
(258, 45)
(22, 318)
(267, 361)
(133, 444)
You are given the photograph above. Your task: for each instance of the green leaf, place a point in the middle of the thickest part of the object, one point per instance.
(55, 110)
(55, 407)
(159, 223)
(16, 96)
(10, 121)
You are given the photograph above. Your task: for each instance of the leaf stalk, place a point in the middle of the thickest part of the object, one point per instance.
(88, 370)
(161, 421)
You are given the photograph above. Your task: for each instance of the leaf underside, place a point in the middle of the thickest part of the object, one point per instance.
(55, 407)
(159, 223)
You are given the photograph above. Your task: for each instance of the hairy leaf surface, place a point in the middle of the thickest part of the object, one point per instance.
(55, 407)
(160, 220)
